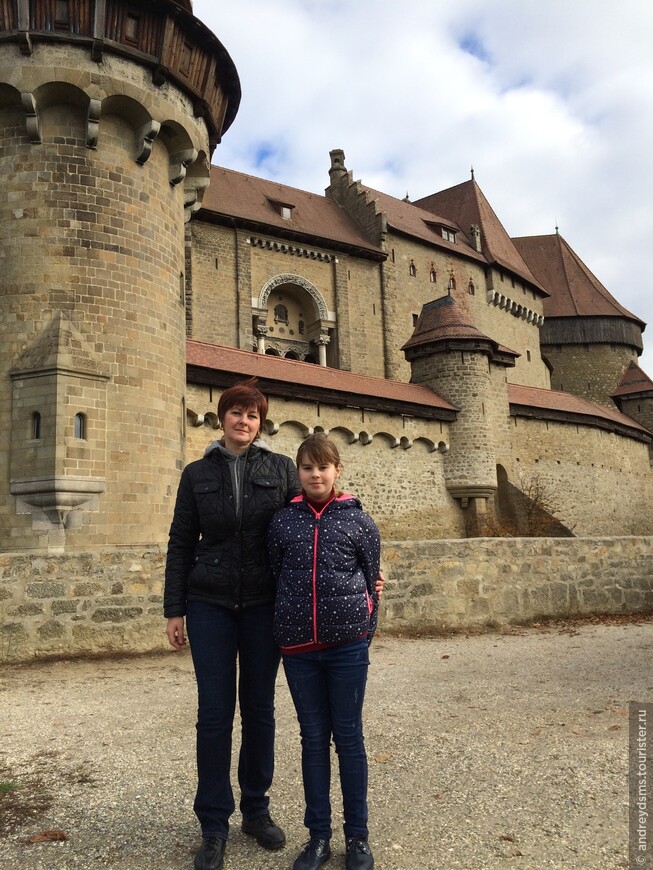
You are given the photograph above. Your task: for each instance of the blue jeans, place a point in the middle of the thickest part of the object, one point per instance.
(328, 689)
(218, 637)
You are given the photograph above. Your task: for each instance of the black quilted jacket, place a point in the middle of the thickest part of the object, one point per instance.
(326, 565)
(213, 555)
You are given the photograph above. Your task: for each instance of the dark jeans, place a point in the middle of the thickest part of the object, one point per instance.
(217, 638)
(328, 689)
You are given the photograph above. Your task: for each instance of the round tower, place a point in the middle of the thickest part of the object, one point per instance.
(109, 113)
(465, 367)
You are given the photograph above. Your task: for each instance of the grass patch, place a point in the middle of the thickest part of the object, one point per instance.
(7, 787)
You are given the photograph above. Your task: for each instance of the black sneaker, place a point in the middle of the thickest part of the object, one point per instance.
(359, 854)
(313, 855)
(267, 833)
(211, 854)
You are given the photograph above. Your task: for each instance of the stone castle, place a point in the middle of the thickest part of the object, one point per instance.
(473, 381)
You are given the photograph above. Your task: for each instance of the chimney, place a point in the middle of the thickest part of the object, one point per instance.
(475, 237)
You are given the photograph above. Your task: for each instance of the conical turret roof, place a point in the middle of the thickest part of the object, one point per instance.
(575, 291)
(634, 381)
(444, 321)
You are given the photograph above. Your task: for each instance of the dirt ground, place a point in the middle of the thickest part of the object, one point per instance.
(486, 751)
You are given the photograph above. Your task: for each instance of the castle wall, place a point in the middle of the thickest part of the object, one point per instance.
(366, 335)
(601, 481)
(592, 371)
(111, 601)
(639, 408)
(229, 274)
(509, 312)
(392, 464)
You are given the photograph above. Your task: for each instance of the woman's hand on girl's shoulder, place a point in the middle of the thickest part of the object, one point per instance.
(378, 586)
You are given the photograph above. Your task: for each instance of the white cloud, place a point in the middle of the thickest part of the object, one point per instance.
(552, 103)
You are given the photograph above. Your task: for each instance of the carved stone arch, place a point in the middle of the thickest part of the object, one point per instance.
(195, 183)
(9, 96)
(385, 438)
(298, 281)
(349, 436)
(307, 334)
(60, 97)
(297, 427)
(180, 149)
(134, 113)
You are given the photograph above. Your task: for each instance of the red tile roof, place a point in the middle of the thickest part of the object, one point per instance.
(566, 403)
(340, 384)
(409, 218)
(634, 381)
(575, 291)
(256, 201)
(283, 376)
(466, 205)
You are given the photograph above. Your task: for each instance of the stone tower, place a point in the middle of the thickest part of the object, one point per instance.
(449, 355)
(109, 113)
(588, 338)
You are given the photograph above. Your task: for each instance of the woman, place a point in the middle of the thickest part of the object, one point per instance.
(219, 580)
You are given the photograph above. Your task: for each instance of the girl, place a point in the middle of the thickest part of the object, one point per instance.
(325, 553)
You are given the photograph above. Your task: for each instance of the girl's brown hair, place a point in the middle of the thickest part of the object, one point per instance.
(319, 449)
(245, 394)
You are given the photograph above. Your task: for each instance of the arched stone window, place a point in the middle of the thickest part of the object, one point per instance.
(300, 322)
(36, 426)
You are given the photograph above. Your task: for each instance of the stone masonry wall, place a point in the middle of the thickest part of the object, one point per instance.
(495, 581)
(591, 371)
(599, 480)
(110, 602)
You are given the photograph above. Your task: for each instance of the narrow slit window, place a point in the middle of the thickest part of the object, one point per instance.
(36, 425)
(80, 426)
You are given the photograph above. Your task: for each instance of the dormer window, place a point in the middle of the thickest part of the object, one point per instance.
(448, 233)
(282, 208)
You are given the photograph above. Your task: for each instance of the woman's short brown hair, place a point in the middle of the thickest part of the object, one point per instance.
(246, 395)
(319, 449)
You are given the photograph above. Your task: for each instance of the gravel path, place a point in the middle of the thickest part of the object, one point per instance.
(489, 751)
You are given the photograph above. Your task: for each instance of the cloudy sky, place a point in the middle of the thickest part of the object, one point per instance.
(551, 102)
